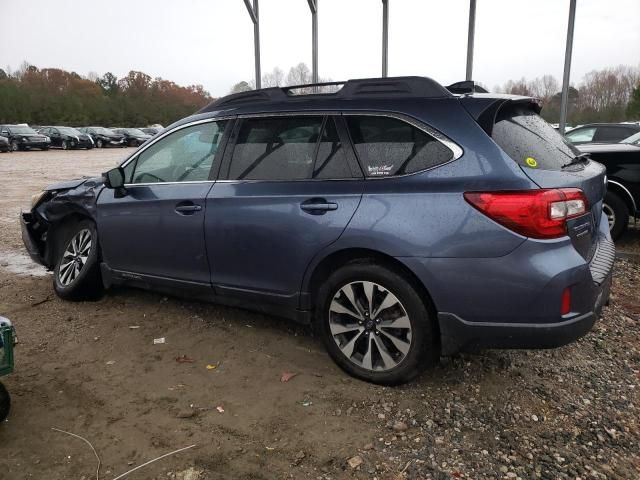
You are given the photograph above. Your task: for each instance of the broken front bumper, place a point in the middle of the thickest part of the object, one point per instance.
(34, 246)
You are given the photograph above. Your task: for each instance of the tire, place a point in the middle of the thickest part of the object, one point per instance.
(397, 355)
(617, 213)
(132, 143)
(5, 403)
(64, 145)
(14, 146)
(83, 281)
(98, 143)
(45, 148)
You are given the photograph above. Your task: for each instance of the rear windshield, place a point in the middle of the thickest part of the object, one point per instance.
(531, 141)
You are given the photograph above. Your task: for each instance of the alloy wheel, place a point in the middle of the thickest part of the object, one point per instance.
(370, 326)
(64, 145)
(14, 146)
(75, 257)
(611, 215)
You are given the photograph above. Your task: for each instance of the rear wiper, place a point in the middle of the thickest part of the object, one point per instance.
(582, 157)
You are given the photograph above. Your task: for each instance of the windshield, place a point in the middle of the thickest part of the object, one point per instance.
(531, 141)
(23, 130)
(633, 139)
(134, 131)
(68, 131)
(102, 131)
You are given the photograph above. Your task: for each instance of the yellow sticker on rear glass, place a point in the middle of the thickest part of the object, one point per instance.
(531, 162)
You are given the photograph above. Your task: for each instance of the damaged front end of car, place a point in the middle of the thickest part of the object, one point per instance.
(51, 209)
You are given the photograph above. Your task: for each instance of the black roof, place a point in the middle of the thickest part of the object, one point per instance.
(406, 87)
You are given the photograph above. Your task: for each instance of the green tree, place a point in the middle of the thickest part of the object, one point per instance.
(633, 109)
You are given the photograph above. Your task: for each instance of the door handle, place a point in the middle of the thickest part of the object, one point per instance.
(318, 206)
(187, 208)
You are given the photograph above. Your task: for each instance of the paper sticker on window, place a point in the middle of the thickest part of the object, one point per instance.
(377, 171)
(531, 162)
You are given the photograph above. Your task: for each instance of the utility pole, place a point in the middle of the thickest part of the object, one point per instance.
(255, 18)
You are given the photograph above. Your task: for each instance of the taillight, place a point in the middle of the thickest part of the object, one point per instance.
(565, 304)
(532, 213)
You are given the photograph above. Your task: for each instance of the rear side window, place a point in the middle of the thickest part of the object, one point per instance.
(275, 148)
(531, 141)
(388, 146)
(611, 134)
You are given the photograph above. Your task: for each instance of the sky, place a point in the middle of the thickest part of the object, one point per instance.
(210, 42)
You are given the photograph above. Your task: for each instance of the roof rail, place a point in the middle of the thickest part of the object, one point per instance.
(416, 87)
(466, 86)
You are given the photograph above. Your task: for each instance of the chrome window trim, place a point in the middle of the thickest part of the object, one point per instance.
(456, 150)
(626, 190)
(153, 141)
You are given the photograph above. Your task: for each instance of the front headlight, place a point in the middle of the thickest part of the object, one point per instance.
(35, 199)
(47, 139)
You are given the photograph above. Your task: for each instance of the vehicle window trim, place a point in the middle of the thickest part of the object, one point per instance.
(153, 141)
(455, 149)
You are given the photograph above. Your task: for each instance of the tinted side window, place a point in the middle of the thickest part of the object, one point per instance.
(275, 148)
(331, 162)
(610, 134)
(387, 146)
(186, 155)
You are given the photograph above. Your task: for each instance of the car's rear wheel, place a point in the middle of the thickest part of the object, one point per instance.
(375, 324)
(99, 143)
(617, 214)
(77, 272)
(64, 145)
(14, 146)
(5, 403)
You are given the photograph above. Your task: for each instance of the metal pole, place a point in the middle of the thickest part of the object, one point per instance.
(313, 6)
(471, 38)
(567, 67)
(255, 18)
(385, 38)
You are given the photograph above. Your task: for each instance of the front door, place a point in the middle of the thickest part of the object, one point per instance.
(290, 188)
(155, 229)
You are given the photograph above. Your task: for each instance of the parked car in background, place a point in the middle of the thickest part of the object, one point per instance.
(134, 137)
(67, 137)
(5, 146)
(622, 161)
(103, 137)
(399, 219)
(22, 137)
(601, 133)
(632, 140)
(151, 130)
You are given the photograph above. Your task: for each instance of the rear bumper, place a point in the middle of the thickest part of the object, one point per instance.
(460, 335)
(514, 301)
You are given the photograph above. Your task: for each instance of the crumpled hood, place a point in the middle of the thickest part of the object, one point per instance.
(90, 182)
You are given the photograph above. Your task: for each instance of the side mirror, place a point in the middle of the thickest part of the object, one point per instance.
(114, 178)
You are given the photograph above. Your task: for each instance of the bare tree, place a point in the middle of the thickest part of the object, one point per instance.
(275, 78)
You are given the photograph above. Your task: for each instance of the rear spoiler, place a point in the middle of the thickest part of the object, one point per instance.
(485, 108)
(466, 86)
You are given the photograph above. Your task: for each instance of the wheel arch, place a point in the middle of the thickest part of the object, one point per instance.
(615, 186)
(322, 269)
(58, 225)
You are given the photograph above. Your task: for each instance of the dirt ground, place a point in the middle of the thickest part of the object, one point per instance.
(93, 369)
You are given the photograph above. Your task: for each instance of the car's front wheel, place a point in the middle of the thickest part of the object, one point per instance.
(617, 214)
(77, 272)
(99, 143)
(375, 323)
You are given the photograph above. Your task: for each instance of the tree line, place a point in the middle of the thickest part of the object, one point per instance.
(607, 95)
(52, 96)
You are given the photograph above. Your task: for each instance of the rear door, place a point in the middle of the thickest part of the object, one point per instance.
(544, 155)
(290, 187)
(611, 134)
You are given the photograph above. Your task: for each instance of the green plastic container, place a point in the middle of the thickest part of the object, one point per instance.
(6, 349)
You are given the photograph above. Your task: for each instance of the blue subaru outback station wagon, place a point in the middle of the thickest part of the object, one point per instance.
(401, 220)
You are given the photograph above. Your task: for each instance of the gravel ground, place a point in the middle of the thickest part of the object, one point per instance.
(566, 413)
